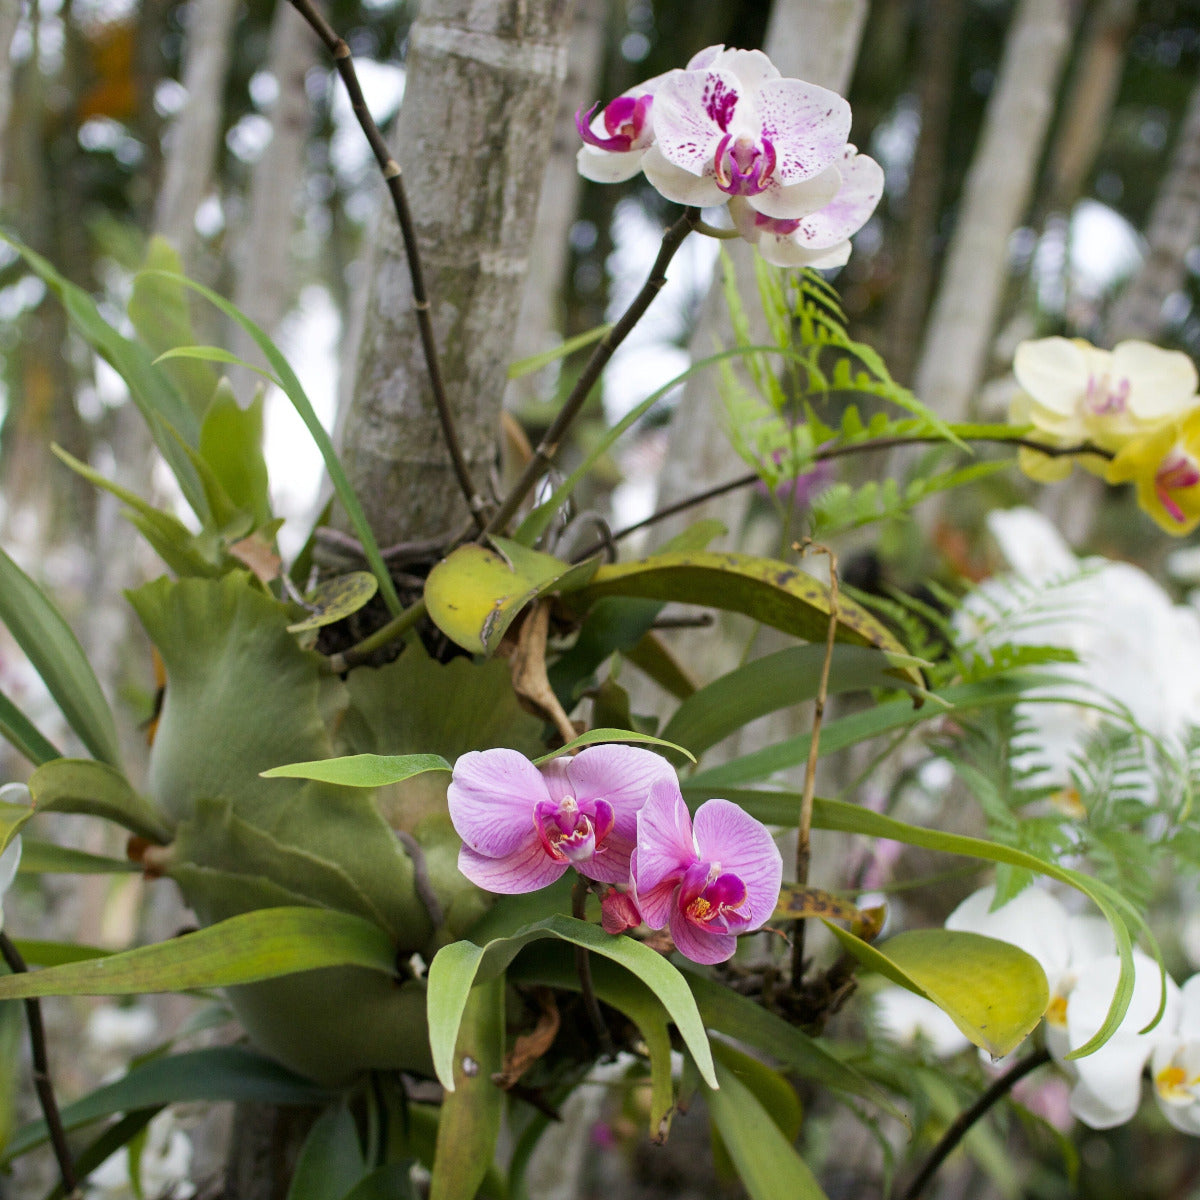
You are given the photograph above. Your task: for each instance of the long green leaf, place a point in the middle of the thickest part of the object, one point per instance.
(874, 721)
(458, 967)
(766, 1161)
(111, 1139)
(219, 1073)
(47, 858)
(775, 681)
(331, 1160)
(263, 944)
(94, 789)
(54, 954)
(56, 655)
(21, 733)
(472, 1110)
(837, 815)
(161, 406)
(596, 737)
(295, 393)
(535, 362)
(361, 770)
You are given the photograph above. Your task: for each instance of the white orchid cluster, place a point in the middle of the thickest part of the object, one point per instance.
(728, 129)
(1138, 651)
(1078, 955)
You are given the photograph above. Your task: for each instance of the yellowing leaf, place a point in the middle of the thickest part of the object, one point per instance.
(474, 594)
(993, 991)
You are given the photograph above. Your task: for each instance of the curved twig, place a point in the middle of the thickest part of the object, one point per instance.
(963, 1122)
(543, 456)
(344, 62)
(41, 1074)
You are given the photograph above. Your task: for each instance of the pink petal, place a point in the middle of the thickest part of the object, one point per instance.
(798, 199)
(610, 863)
(849, 210)
(692, 112)
(698, 944)
(808, 126)
(744, 847)
(528, 869)
(679, 185)
(491, 799)
(664, 838)
(658, 903)
(622, 775)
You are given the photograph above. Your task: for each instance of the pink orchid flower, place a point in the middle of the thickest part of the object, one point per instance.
(522, 826)
(709, 881)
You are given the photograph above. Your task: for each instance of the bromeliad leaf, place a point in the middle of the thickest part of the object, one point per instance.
(459, 966)
(56, 655)
(475, 594)
(993, 991)
(772, 592)
(264, 944)
(361, 770)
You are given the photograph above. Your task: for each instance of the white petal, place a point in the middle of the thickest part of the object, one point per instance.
(752, 67)
(806, 124)
(798, 199)
(788, 252)
(1110, 1108)
(859, 193)
(608, 166)
(679, 185)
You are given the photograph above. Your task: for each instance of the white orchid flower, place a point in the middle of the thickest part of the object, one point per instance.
(1077, 954)
(1175, 1065)
(907, 1018)
(729, 129)
(1108, 1084)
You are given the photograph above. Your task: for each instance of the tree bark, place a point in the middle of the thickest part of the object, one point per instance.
(995, 197)
(1173, 230)
(472, 140)
(539, 325)
(192, 146)
(10, 14)
(941, 29)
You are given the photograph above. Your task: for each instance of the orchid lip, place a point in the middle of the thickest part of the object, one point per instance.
(743, 168)
(1178, 472)
(625, 120)
(1104, 400)
(707, 895)
(568, 833)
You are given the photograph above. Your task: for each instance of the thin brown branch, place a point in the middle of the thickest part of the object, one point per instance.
(825, 454)
(804, 830)
(963, 1122)
(543, 456)
(41, 1075)
(344, 62)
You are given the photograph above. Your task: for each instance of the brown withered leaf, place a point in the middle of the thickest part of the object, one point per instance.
(529, 1047)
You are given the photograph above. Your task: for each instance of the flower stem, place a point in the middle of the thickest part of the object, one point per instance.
(962, 1123)
(41, 1075)
(543, 456)
(583, 967)
(803, 847)
(390, 168)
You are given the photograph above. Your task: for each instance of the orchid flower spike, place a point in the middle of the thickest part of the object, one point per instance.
(710, 881)
(523, 827)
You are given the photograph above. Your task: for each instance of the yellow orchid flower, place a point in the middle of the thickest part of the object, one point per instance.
(1073, 392)
(1164, 467)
